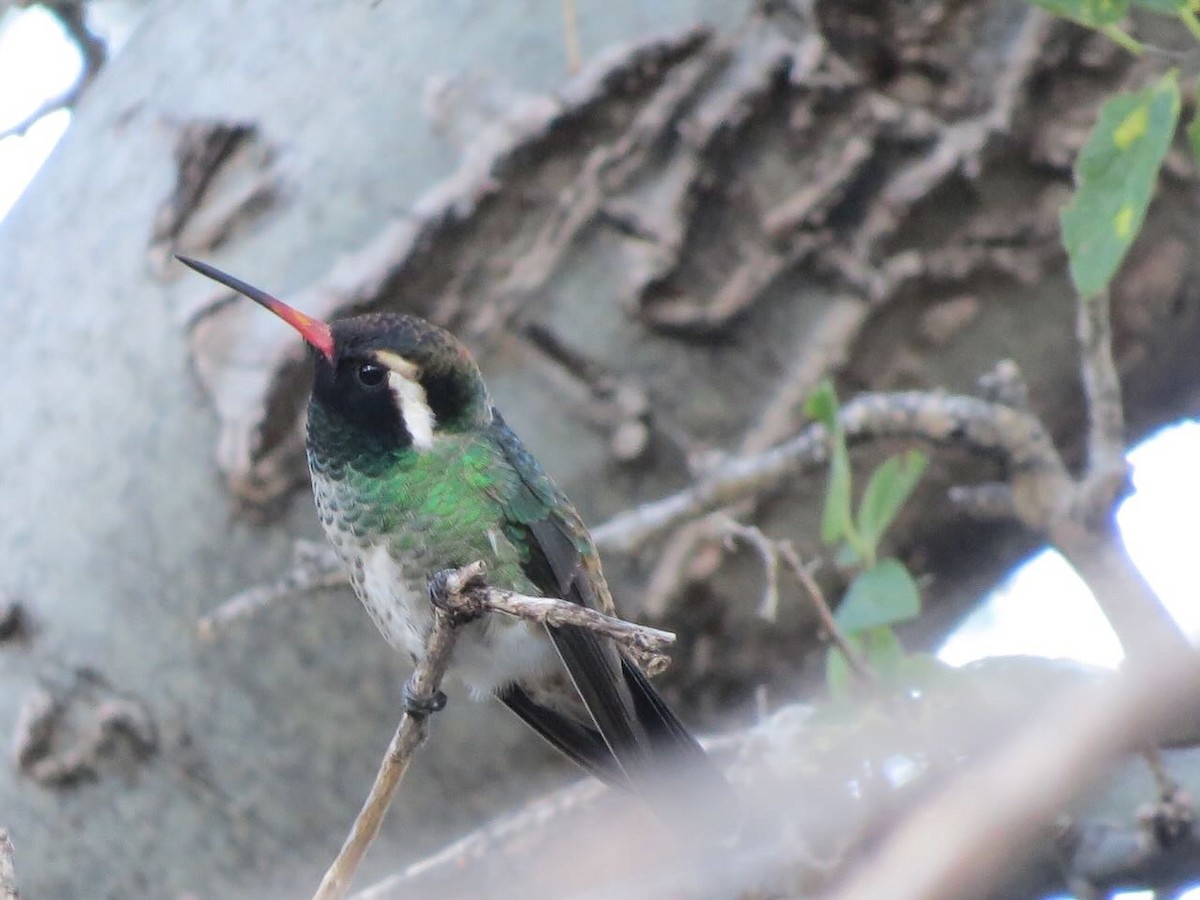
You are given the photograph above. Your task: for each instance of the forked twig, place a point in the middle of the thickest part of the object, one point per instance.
(460, 596)
(410, 734)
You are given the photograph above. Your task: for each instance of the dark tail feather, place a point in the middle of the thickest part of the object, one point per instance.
(582, 745)
(685, 784)
(657, 754)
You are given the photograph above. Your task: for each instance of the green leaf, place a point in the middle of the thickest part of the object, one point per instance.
(1168, 7)
(885, 653)
(836, 517)
(1187, 15)
(822, 404)
(847, 557)
(889, 487)
(1116, 175)
(881, 595)
(1093, 13)
(839, 679)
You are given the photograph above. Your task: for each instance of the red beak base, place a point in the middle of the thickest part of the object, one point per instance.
(314, 331)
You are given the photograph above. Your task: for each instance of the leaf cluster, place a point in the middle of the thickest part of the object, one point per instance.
(882, 592)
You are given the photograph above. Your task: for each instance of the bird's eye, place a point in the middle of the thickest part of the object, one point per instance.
(370, 374)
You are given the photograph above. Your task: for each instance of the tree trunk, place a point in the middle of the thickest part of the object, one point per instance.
(653, 261)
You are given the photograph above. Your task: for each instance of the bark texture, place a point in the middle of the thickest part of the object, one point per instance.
(655, 260)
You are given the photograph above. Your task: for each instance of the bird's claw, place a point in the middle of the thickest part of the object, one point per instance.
(450, 594)
(419, 706)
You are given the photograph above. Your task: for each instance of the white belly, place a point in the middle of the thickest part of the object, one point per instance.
(490, 653)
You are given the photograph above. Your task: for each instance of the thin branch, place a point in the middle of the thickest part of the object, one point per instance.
(426, 681)
(458, 596)
(772, 552)
(1108, 471)
(803, 574)
(314, 567)
(823, 349)
(767, 552)
(8, 869)
(643, 642)
(989, 429)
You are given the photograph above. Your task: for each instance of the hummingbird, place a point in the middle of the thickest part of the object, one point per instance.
(414, 471)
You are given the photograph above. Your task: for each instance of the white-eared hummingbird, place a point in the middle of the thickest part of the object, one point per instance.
(414, 472)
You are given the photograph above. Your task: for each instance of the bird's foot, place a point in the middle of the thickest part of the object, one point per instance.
(419, 706)
(450, 590)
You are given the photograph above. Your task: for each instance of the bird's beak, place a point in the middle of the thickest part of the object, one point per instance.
(316, 332)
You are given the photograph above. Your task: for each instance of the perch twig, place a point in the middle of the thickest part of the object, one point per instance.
(461, 596)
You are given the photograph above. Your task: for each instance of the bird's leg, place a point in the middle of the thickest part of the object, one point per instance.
(451, 593)
(418, 705)
(452, 599)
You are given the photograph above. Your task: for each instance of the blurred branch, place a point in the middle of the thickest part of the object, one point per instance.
(989, 429)
(1074, 517)
(1083, 527)
(315, 567)
(8, 871)
(773, 552)
(955, 846)
(768, 552)
(459, 596)
(804, 574)
(1108, 471)
(987, 820)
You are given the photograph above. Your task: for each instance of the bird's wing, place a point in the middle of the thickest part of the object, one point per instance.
(639, 730)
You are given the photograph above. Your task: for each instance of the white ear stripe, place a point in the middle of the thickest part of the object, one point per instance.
(414, 408)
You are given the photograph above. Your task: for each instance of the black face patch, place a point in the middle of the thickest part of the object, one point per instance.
(449, 395)
(356, 421)
(356, 392)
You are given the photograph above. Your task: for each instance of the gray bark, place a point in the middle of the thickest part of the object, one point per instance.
(117, 532)
(231, 767)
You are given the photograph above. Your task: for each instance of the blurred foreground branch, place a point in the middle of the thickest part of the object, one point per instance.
(460, 596)
(954, 845)
(987, 812)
